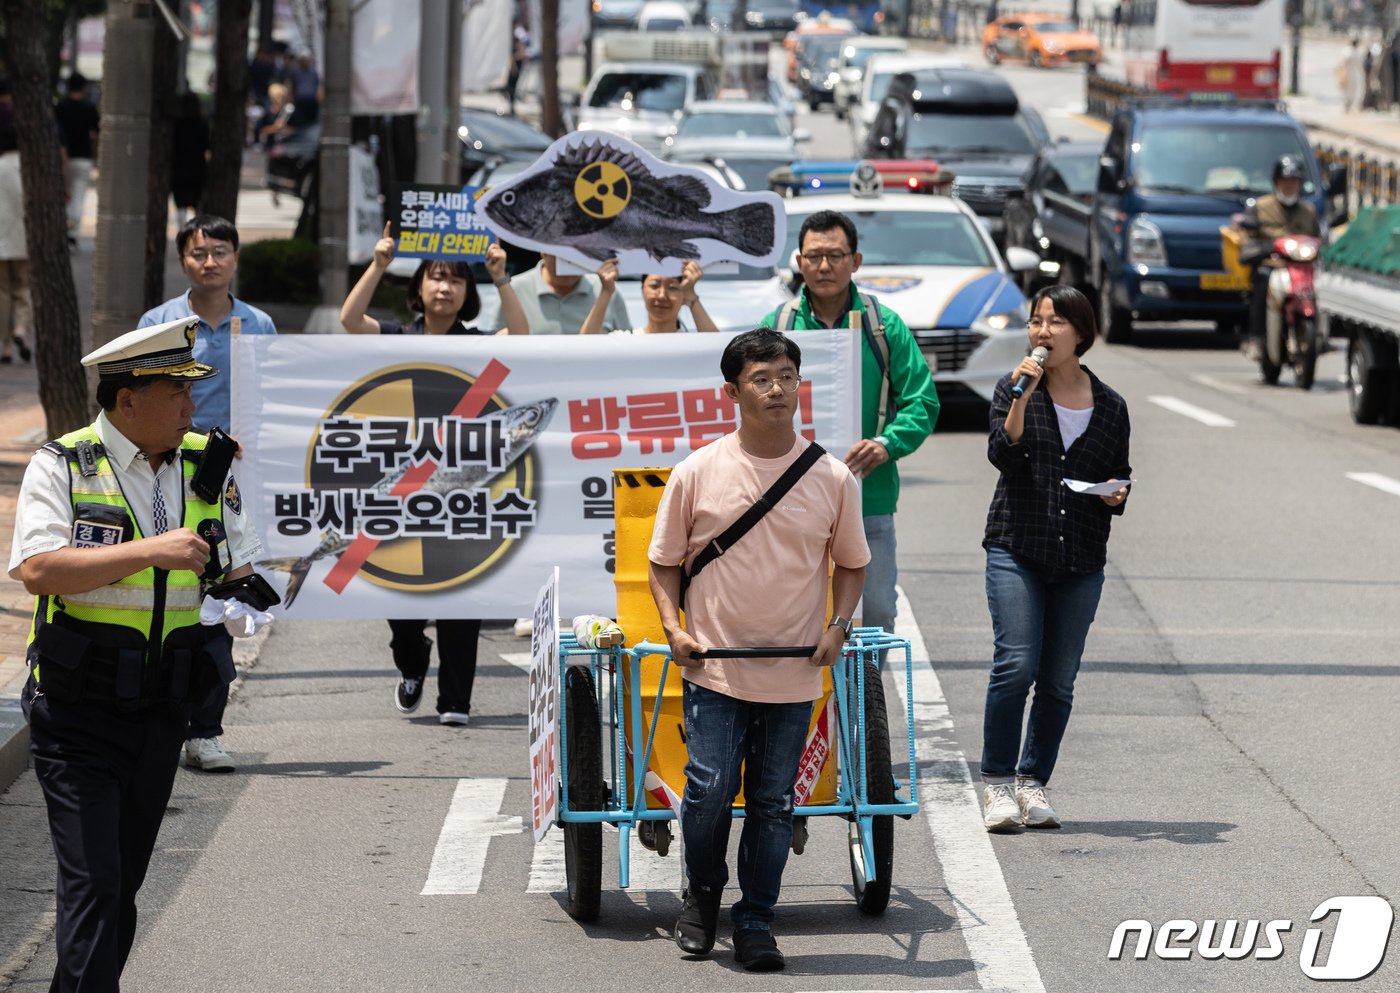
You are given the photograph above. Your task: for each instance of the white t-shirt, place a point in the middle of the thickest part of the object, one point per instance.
(1073, 423)
(771, 587)
(44, 514)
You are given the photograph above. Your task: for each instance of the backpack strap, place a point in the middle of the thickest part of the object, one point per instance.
(787, 316)
(873, 326)
(731, 535)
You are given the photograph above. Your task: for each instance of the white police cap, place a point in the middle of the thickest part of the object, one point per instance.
(165, 351)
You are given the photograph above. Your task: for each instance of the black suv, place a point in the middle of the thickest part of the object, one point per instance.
(968, 120)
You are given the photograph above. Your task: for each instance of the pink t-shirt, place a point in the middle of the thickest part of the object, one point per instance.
(771, 587)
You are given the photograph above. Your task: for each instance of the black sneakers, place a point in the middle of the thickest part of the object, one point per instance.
(756, 951)
(408, 695)
(695, 928)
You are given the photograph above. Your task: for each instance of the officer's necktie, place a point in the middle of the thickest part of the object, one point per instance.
(158, 510)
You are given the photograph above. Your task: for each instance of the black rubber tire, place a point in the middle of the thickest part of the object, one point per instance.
(583, 843)
(1305, 352)
(1115, 323)
(1367, 392)
(992, 54)
(1036, 61)
(1268, 371)
(873, 897)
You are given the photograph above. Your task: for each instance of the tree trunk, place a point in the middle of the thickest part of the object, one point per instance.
(57, 329)
(552, 121)
(165, 63)
(229, 122)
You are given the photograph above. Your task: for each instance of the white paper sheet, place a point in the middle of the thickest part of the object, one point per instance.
(1097, 489)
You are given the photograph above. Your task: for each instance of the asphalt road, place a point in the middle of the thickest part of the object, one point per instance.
(1230, 756)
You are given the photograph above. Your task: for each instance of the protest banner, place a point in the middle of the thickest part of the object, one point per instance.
(438, 222)
(438, 477)
(544, 706)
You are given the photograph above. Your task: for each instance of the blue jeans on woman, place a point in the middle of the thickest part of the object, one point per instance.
(1040, 619)
(721, 732)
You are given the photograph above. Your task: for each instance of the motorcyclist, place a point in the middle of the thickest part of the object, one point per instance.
(1272, 216)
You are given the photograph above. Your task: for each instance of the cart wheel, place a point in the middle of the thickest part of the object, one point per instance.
(583, 843)
(872, 896)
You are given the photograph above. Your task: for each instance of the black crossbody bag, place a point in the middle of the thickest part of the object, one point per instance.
(726, 540)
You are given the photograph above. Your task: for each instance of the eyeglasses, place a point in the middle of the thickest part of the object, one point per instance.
(200, 256)
(832, 258)
(1054, 324)
(762, 385)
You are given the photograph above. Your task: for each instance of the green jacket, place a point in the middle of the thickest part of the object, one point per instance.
(915, 397)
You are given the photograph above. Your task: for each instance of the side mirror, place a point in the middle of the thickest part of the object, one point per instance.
(800, 135)
(1020, 259)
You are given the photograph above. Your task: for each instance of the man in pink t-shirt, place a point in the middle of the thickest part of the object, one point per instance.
(769, 588)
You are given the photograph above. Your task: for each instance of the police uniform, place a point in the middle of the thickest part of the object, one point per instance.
(115, 670)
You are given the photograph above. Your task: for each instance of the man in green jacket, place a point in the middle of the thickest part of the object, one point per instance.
(899, 403)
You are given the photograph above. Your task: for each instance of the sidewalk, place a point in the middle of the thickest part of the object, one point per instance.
(22, 431)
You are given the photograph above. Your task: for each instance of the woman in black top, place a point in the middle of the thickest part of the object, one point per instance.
(1046, 547)
(445, 297)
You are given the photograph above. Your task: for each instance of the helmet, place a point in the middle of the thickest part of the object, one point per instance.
(1288, 167)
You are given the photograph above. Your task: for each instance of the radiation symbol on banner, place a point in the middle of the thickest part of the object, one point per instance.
(413, 394)
(602, 189)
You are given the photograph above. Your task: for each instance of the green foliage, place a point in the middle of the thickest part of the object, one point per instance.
(280, 271)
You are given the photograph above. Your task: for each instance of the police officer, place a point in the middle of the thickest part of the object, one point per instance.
(113, 542)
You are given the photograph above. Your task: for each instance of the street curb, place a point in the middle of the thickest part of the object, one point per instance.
(14, 730)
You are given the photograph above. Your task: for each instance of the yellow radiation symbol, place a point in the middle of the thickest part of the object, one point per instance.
(602, 189)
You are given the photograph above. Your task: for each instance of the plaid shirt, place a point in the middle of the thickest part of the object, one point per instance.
(1034, 515)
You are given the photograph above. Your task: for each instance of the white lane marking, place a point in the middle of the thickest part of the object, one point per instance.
(1207, 417)
(649, 872)
(473, 819)
(995, 940)
(521, 660)
(1221, 385)
(1384, 483)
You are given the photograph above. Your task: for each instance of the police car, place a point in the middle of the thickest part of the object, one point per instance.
(928, 259)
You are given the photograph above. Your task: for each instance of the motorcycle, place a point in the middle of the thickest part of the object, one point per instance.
(1292, 337)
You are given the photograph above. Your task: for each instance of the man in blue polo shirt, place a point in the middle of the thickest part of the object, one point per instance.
(208, 250)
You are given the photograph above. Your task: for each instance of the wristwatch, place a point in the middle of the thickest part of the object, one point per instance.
(844, 623)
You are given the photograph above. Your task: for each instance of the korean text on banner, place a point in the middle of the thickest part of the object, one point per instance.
(440, 476)
(544, 707)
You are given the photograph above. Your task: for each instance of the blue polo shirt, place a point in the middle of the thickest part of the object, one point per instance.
(212, 346)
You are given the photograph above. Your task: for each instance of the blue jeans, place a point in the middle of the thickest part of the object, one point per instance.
(1040, 619)
(768, 738)
(877, 607)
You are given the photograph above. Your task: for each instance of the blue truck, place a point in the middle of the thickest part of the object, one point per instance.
(1170, 175)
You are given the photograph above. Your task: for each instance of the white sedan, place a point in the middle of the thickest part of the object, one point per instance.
(930, 261)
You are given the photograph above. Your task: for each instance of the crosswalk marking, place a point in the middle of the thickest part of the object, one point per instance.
(1207, 417)
(649, 872)
(1375, 479)
(948, 804)
(473, 819)
(1220, 384)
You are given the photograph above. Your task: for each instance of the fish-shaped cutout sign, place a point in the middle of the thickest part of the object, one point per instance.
(594, 196)
(298, 568)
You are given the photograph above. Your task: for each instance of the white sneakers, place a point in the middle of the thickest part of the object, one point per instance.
(206, 754)
(1036, 811)
(1010, 806)
(1003, 813)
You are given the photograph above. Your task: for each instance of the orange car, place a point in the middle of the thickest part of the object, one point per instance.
(1040, 39)
(823, 24)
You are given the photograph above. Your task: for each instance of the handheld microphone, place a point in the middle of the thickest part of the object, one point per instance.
(1038, 357)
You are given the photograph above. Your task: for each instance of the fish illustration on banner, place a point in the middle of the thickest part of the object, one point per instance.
(594, 196)
(298, 567)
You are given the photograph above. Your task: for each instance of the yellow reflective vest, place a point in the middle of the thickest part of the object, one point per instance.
(153, 602)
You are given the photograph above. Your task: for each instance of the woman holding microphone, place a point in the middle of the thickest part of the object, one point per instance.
(1046, 547)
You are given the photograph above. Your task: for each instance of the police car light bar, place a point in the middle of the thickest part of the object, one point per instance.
(841, 176)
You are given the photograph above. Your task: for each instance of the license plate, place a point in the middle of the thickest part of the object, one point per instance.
(1224, 281)
(1220, 74)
